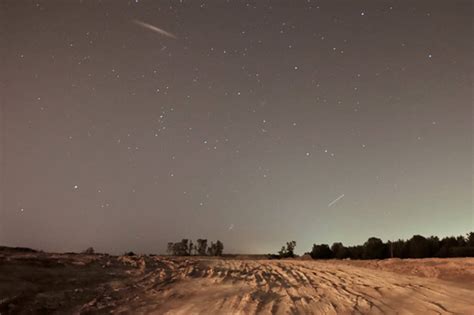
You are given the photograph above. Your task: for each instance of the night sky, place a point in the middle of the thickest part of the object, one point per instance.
(128, 124)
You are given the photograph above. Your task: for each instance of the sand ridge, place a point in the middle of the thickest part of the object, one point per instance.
(200, 285)
(213, 286)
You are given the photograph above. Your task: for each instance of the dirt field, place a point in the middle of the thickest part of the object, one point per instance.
(97, 284)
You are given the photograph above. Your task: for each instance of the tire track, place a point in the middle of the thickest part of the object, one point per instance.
(215, 286)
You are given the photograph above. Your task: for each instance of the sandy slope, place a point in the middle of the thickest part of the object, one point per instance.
(459, 270)
(161, 285)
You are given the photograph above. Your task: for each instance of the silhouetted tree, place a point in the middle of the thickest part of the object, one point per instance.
(219, 248)
(390, 249)
(288, 251)
(211, 250)
(356, 252)
(215, 249)
(374, 248)
(187, 247)
(446, 245)
(290, 248)
(282, 252)
(418, 247)
(470, 239)
(434, 245)
(321, 252)
(461, 241)
(399, 249)
(201, 247)
(339, 251)
(179, 249)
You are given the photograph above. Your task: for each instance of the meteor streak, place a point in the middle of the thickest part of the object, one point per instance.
(335, 200)
(154, 29)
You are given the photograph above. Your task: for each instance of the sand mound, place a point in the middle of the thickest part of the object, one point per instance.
(164, 285)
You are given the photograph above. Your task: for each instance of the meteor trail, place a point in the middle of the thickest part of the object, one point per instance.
(154, 28)
(335, 200)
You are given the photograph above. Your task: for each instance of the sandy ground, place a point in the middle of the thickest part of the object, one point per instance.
(42, 283)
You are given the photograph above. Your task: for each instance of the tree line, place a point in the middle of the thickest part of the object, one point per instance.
(374, 248)
(188, 248)
(416, 247)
